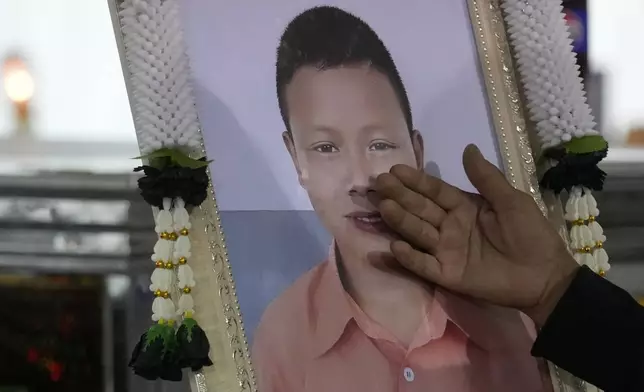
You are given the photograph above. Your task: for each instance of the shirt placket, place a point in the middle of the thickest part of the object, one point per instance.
(410, 373)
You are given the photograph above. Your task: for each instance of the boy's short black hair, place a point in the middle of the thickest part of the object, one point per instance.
(328, 37)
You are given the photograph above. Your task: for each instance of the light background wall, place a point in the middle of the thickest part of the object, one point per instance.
(616, 50)
(70, 46)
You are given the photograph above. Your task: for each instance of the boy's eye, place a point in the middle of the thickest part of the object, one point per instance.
(380, 146)
(325, 148)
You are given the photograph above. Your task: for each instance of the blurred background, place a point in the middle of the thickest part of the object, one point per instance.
(75, 237)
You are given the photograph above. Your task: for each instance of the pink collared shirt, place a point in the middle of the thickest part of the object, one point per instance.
(315, 338)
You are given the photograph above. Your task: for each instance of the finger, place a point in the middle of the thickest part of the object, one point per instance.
(422, 264)
(440, 192)
(487, 178)
(410, 227)
(390, 187)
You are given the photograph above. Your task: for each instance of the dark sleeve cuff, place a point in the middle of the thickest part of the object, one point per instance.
(596, 333)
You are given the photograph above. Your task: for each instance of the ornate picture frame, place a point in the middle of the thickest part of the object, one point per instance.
(215, 299)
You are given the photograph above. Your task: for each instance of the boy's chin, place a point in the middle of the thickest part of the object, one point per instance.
(367, 243)
(377, 245)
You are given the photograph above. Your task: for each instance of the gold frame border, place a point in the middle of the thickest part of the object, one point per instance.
(219, 312)
(513, 134)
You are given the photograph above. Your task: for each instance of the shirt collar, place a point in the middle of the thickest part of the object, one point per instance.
(488, 326)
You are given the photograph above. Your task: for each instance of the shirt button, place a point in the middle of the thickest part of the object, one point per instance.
(408, 374)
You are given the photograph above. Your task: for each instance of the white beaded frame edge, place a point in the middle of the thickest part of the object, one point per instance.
(232, 370)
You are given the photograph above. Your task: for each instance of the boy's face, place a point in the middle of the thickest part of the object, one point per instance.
(347, 127)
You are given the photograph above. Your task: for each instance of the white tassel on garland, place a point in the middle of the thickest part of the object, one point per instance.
(599, 253)
(162, 279)
(162, 98)
(586, 235)
(191, 338)
(185, 277)
(549, 71)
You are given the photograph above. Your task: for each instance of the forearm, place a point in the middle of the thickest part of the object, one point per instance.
(596, 332)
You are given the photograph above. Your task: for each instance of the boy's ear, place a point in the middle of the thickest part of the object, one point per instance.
(287, 138)
(419, 148)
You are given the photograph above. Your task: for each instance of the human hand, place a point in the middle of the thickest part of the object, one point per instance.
(496, 246)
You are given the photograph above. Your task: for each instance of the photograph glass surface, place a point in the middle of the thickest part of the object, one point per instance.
(302, 105)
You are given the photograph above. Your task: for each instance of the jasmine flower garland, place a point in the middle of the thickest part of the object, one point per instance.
(168, 133)
(557, 105)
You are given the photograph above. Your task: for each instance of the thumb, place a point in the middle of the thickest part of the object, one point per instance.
(486, 178)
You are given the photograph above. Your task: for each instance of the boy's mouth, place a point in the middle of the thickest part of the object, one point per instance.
(368, 221)
(367, 217)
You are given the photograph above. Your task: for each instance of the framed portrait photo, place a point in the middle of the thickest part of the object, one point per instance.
(298, 106)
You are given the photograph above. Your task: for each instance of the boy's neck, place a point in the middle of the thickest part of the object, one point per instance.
(377, 280)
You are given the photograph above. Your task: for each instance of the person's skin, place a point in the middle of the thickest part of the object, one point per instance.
(496, 246)
(347, 126)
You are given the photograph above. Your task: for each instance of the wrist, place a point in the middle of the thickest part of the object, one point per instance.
(556, 287)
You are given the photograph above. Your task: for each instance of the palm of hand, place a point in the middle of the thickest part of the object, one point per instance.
(472, 252)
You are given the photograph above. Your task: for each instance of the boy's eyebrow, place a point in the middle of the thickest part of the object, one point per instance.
(373, 127)
(368, 128)
(325, 129)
